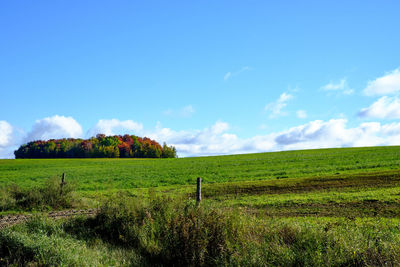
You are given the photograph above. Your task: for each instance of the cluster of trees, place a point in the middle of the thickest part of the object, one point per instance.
(101, 146)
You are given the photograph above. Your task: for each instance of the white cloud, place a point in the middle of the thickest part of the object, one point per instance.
(301, 114)
(390, 129)
(387, 84)
(332, 86)
(276, 108)
(55, 127)
(341, 86)
(229, 74)
(316, 134)
(212, 140)
(384, 108)
(114, 126)
(216, 140)
(334, 133)
(5, 133)
(219, 127)
(6, 139)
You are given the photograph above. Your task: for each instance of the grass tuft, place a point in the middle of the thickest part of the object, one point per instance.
(45, 197)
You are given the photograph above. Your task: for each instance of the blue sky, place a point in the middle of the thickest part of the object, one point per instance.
(211, 77)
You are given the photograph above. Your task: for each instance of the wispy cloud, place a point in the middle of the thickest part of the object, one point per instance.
(341, 87)
(168, 112)
(301, 114)
(276, 107)
(385, 85)
(229, 74)
(185, 112)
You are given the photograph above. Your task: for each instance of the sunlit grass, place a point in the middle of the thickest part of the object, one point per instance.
(110, 174)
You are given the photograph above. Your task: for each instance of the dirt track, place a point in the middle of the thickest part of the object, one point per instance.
(9, 220)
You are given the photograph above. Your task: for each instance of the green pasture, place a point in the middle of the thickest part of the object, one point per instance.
(95, 175)
(346, 182)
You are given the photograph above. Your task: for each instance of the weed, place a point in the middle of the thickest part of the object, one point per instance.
(43, 197)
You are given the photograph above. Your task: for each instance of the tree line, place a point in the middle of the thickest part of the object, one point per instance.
(101, 146)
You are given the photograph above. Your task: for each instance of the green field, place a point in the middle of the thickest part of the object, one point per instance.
(310, 207)
(325, 182)
(106, 174)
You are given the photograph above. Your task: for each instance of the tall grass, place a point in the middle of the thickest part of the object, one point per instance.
(159, 231)
(168, 232)
(41, 242)
(45, 197)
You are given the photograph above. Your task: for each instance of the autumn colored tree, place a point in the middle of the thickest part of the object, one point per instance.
(101, 146)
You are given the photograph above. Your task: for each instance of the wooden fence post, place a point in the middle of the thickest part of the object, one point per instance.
(62, 183)
(198, 192)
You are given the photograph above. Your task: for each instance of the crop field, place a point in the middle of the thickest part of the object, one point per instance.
(311, 207)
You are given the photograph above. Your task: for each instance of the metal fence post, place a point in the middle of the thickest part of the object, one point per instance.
(198, 192)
